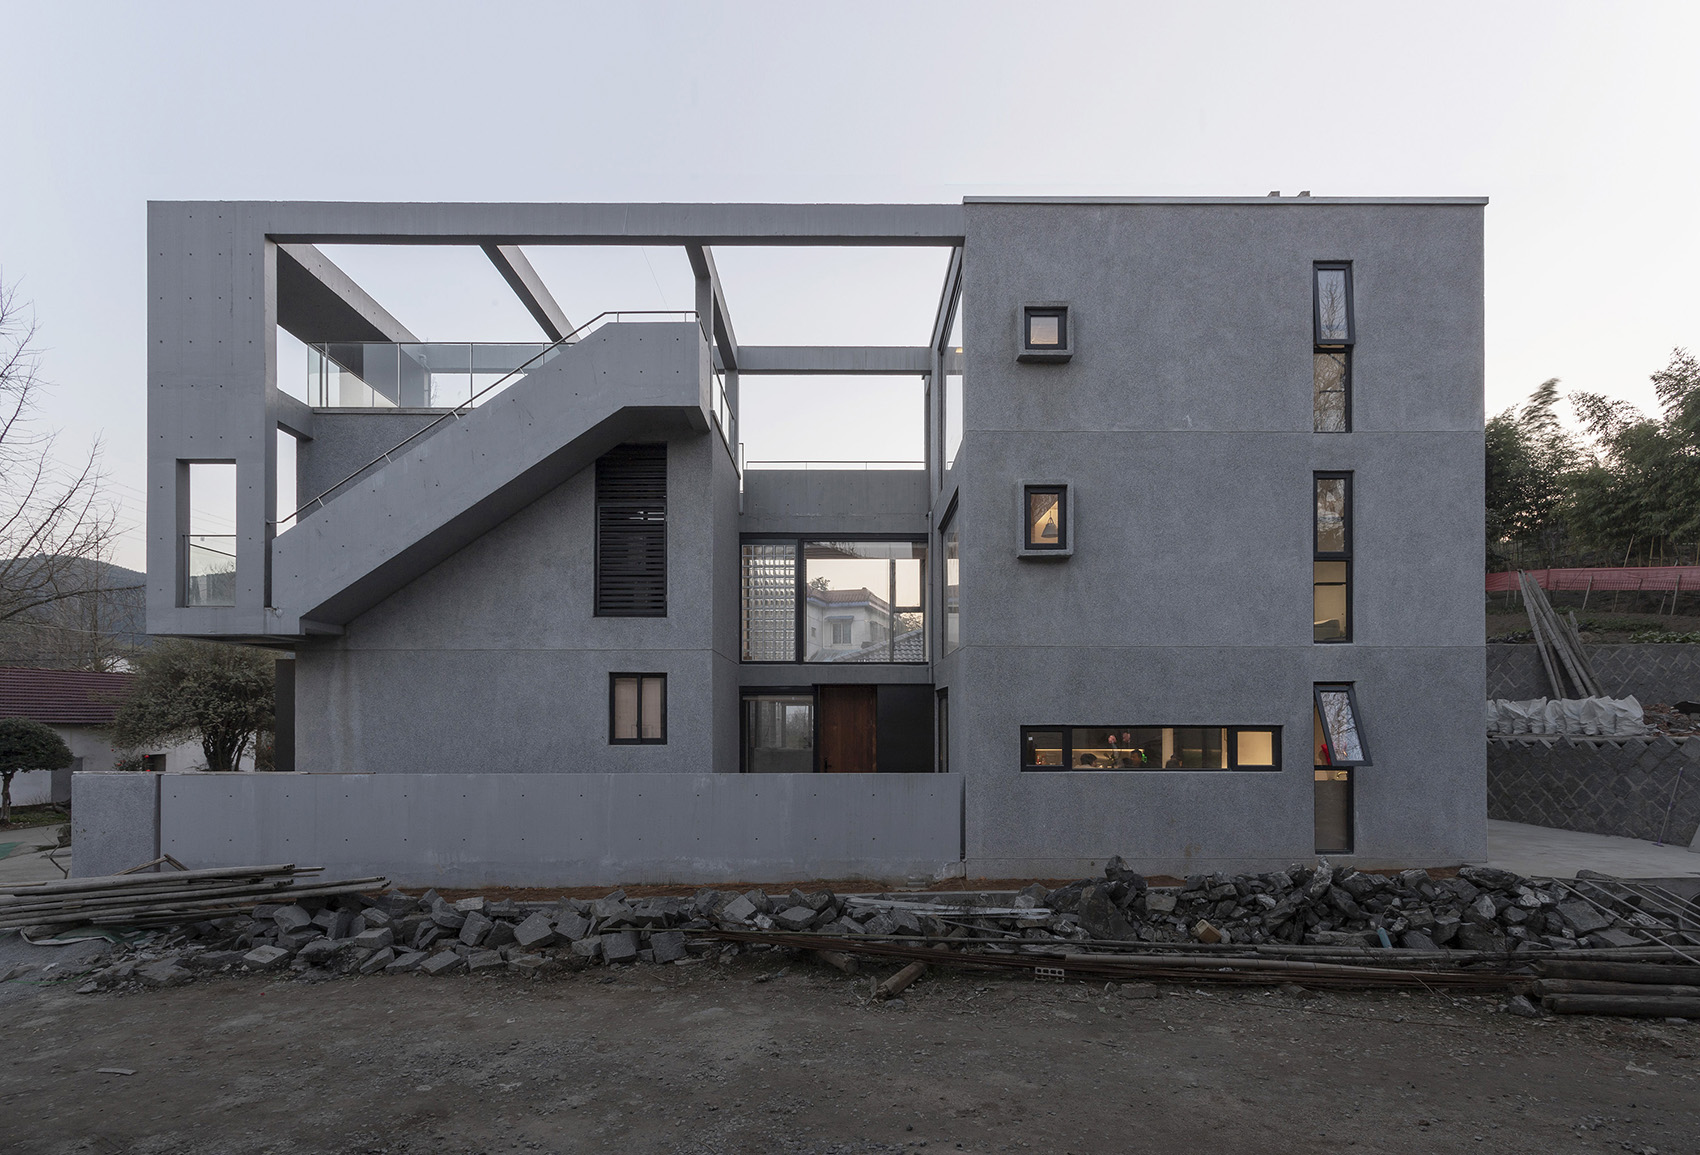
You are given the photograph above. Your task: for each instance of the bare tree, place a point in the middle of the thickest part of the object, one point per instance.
(56, 525)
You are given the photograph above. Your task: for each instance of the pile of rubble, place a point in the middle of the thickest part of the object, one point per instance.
(1482, 910)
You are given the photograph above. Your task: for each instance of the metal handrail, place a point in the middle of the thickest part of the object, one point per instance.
(458, 410)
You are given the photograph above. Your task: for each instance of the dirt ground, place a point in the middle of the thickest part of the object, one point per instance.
(768, 1056)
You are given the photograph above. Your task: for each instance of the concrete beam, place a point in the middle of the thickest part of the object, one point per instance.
(316, 301)
(516, 270)
(295, 417)
(326, 222)
(702, 264)
(812, 359)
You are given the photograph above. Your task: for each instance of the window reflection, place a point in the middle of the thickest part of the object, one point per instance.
(863, 601)
(1150, 748)
(1046, 528)
(1330, 392)
(779, 734)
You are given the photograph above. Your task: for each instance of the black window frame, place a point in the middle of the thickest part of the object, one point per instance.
(640, 740)
(1350, 689)
(941, 731)
(1350, 780)
(1332, 346)
(745, 693)
(1063, 530)
(1232, 749)
(947, 527)
(1317, 339)
(799, 543)
(1320, 555)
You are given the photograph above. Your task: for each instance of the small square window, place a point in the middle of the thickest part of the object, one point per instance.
(1045, 333)
(637, 709)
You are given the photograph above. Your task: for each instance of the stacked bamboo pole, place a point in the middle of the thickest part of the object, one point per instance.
(1559, 643)
(172, 897)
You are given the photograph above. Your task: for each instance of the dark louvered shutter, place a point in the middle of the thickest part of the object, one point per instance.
(631, 532)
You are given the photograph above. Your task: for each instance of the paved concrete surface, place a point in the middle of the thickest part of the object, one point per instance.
(29, 862)
(703, 1060)
(1542, 851)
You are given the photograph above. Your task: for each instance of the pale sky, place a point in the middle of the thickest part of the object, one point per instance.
(1580, 121)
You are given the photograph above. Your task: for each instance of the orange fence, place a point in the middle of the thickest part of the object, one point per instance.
(1652, 577)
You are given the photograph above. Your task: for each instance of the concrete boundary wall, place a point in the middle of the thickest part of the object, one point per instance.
(1662, 672)
(1647, 788)
(552, 829)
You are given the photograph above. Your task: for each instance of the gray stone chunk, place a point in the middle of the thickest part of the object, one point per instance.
(473, 905)
(620, 946)
(667, 945)
(164, 973)
(795, 918)
(1582, 918)
(375, 939)
(535, 931)
(265, 958)
(610, 910)
(484, 960)
(501, 934)
(319, 950)
(1417, 940)
(442, 963)
(292, 917)
(448, 918)
(589, 947)
(740, 909)
(527, 964)
(380, 959)
(377, 918)
(1612, 936)
(572, 927)
(1481, 911)
(473, 930)
(405, 961)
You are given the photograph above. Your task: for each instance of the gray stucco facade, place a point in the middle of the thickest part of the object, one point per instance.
(441, 601)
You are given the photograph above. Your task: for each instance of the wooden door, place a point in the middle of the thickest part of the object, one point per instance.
(847, 723)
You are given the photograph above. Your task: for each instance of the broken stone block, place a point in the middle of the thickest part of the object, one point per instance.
(1613, 936)
(448, 918)
(1473, 936)
(265, 958)
(667, 945)
(1489, 877)
(485, 960)
(881, 924)
(319, 951)
(442, 963)
(572, 927)
(213, 960)
(760, 900)
(405, 962)
(293, 917)
(507, 908)
(795, 918)
(589, 947)
(377, 918)
(535, 931)
(1520, 1006)
(473, 930)
(379, 960)
(164, 973)
(501, 934)
(620, 947)
(1481, 911)
(1417, 940)
(610, 911)
(375, 939)
(473, 905)
(1583, 918)
(1445, 929)
(527, 964)
(1160, 901)
(740, 909)
(1101, 918)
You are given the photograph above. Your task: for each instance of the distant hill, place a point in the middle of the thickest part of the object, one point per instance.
(95, 628)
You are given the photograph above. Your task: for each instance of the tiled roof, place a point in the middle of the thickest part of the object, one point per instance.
(61, 697)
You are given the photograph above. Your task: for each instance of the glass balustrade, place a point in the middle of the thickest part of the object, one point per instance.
(209, 569)
(380, 375)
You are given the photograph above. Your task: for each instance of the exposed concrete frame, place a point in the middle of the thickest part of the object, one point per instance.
(602, 224)
(516, 270)
(947, 298)
(317, 301)
(711, 303)
(802, 360)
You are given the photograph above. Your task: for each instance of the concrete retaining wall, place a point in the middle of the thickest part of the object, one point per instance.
(1653, 673)
(538, 829)
(1634, 787)
(114, 821)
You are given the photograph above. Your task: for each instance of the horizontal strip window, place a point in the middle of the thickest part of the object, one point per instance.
(1151, 747)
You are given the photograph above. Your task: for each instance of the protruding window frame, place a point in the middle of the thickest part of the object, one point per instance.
(1026, 546)
(1351, 693)
(1063, 350)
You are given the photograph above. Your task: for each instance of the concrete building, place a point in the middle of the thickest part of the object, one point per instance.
(1156, 428)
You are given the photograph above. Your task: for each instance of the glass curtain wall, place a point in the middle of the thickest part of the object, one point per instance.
(769, 619)
(863, 601)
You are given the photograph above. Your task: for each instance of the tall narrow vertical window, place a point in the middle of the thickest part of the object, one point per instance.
(208, 545)
(1333, 335)
(954, 368)
(952, 583)
(631, 532)
(769, 621)
(941, 719)
(1332, 558)
(637, 709)
(1339, 742)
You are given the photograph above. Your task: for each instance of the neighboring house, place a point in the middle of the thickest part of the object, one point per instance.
(1152, 426)
(79, 705)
